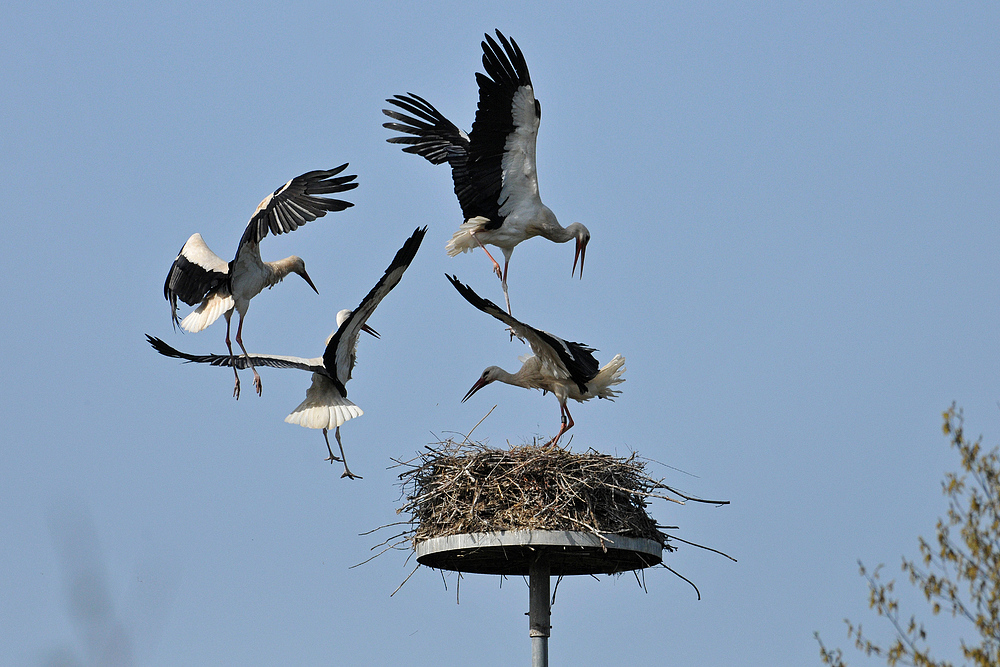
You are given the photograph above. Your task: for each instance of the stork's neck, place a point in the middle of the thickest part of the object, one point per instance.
(281, 268)
(518, 379)
(559, 234)
(528, 376)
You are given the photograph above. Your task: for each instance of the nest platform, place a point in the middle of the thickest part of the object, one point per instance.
(514, 552)
(482, 510)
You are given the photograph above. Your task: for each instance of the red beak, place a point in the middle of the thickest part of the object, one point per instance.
(480, 383)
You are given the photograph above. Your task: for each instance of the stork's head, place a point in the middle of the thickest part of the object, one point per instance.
(489, 375)
(345, 314)
(298, 265)
(582, 235)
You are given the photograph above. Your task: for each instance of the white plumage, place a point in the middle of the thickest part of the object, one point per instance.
(200, 277)
(324, 406)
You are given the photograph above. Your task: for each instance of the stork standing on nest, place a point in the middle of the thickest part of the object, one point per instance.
(326, 405)
(199, 276)
(567, 369)
(493, 167)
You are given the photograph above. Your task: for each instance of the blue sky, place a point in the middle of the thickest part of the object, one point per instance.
(793, 212)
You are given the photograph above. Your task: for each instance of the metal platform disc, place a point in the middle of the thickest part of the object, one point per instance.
(511, 552)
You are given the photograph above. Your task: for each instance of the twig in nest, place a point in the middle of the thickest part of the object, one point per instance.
(678, 574)
(702, 546)
(466, 439)
(404, 581)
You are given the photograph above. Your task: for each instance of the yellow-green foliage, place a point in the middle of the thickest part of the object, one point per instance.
(958, 572)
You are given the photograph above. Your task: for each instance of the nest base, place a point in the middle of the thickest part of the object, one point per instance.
(512, 552)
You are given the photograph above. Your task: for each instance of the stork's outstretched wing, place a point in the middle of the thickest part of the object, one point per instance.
(240, 362)
(433, 136)
(493, 167)
(340, 350)
(563, 358)
(503, 137)
(296, 203)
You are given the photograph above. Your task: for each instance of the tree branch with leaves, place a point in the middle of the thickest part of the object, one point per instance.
(958, 572)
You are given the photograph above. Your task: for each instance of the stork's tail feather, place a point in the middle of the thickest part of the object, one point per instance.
(608, 377)
(462, 240)
(207, 312)
(328, 413)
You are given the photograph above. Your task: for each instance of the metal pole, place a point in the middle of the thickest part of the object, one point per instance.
(538, 611)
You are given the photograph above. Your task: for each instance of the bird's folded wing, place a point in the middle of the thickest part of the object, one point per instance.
(195, 273)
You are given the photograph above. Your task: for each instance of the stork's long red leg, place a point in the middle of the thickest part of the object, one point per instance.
(239, 339)
(232, 357)
(564, 416)
(502, 275)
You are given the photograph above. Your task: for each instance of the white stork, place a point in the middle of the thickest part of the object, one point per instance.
(326, 405)
(199, 276)
(567, 369)
(494, 166)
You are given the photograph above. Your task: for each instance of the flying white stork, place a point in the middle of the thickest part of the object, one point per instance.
(199, 276)
(567, 369)
(494, 166)
(326, 405)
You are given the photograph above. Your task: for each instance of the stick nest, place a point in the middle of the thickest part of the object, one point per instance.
(454, 488)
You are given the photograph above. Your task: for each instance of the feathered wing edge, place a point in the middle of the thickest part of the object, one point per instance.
(207, 312)
(296, 202)
(609, 376)
(239, 361)
(503, 90)
(476, 159)
(434, 137)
